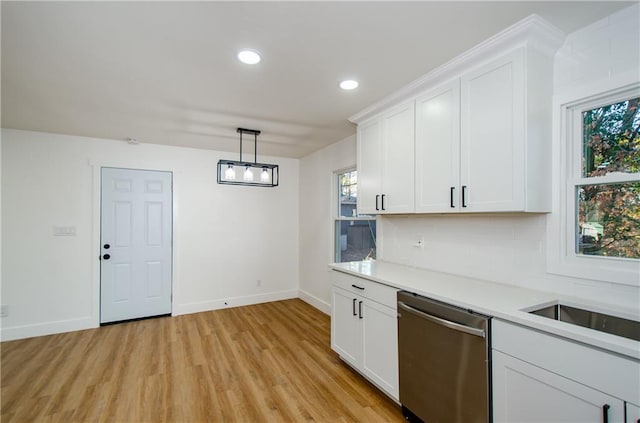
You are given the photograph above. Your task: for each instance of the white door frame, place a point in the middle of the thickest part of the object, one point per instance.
(97, 166)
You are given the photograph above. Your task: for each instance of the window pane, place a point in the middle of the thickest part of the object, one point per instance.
(355, 240)
(610, 141)
(609, 220)
(347, 188)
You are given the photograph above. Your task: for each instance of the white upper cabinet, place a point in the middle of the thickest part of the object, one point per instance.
(386, 162)
(492, 136)
(506, 134)
(398, 132)
(481, 132)
(438, 149)
(478, 147)
(368, 155)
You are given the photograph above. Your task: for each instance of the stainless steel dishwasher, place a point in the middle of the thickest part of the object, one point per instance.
(444, 360)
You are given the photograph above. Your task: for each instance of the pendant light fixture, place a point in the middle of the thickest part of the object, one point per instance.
(239, 172)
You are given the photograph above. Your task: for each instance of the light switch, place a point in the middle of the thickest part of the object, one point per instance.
(64, 231)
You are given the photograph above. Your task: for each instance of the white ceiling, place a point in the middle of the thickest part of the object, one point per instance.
(166, 72)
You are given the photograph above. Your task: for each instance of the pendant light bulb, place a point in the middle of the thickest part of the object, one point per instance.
(264, 176)
(248, 174)
(230, 173)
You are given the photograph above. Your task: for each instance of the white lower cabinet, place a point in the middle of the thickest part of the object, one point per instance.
(364, 332)
(633, 412)
(346, 332)
(380, 346)
(523, 392)
(539, 377)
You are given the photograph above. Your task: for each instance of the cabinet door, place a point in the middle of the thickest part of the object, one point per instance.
(633, 413)
(346, 332)
(369, 162)
(380, 346)
(398, 131)
(492, 142)
(523, 392)
(438, 149)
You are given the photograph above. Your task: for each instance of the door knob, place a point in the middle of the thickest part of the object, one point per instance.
(106, 257)
(106, 246)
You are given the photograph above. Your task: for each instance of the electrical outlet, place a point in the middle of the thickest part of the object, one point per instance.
(64, 231)
(258, 282)
(4, 310)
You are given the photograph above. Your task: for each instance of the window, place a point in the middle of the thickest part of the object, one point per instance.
(596, 234)
(607, 188)
(355, 235)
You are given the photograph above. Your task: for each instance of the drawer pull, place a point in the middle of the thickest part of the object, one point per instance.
(357, 287)
(605, 413)
(464, 199)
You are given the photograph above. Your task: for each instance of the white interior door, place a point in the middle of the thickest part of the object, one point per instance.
(135, 244)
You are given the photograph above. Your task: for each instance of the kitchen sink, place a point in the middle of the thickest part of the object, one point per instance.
(591, 319)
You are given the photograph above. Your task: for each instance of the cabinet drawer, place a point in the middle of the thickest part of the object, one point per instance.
(374, 291)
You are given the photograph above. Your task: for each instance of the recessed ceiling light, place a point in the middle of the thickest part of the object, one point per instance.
(349, 84)
(250, 57)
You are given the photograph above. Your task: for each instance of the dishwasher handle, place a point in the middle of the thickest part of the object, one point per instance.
(442, 322)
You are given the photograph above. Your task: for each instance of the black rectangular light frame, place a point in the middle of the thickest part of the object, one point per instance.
(257, 169)
(240, 166)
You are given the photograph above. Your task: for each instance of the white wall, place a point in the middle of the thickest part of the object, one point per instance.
(226, 238)
(50, 283)
(1, 302)
(317, 188)
(602, 50)
(509, 249)
(512, 249)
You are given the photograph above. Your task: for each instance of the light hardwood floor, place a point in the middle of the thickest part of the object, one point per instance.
(262, 363)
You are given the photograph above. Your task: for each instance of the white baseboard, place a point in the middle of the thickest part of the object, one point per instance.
(48, 328)
(198, 307)
(321, 305)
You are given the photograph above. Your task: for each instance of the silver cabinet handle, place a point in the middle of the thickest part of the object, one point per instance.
(442, 322)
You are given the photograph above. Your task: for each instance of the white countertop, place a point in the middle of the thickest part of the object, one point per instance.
(502, 301)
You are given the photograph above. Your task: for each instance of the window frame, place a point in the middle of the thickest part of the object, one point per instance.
(335, 204)
(562, 258)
